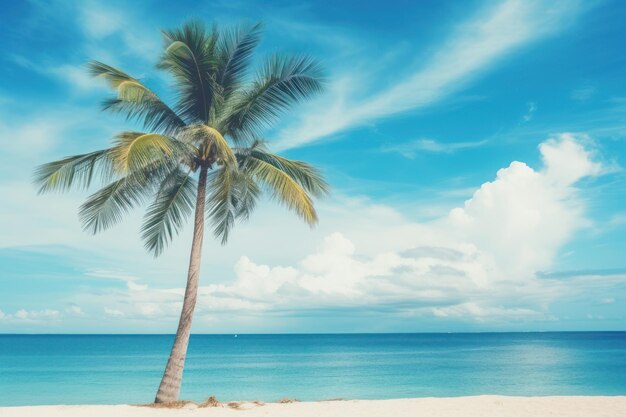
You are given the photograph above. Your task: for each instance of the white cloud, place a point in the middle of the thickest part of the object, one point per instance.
(98, 22)
(510, 229)
(136, 287)
(32, 316)
(481, 313)
(583, 93)
(78, 77)
(33, 138)
(74, 310)
(479, 263)
(410, 149)
(474, 48)
(108, 274)
(566, 160)
(22, 314)
(466, 264)
(143, 304)
(532, 108)
(618, 219)
(524, 216)
(113, 312)
(110, 32)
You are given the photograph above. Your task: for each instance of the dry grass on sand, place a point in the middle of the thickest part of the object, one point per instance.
(212, 401)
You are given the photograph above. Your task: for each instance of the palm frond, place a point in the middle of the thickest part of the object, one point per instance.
(107, 206)
(136, 100)
(190, 56)
(282, 82)
(135, 150)
(309, 177)
(73, 171)
(174, 202)
(235, 52)
(233, 195)
(283, 188)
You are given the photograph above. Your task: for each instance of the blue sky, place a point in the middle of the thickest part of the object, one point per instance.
(475, 150)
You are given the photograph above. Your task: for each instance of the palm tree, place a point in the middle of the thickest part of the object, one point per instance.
(204, 154)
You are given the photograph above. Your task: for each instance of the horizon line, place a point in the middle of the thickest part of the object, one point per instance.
(315, 333)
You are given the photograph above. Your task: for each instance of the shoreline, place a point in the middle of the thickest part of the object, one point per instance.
(475, 406)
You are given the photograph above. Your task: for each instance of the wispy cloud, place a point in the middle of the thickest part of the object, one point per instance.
(33, 138)
(474, 47)
(530, 112)
(78, 77)
(411, 149)
(99, 22)
(108, 30)
(583, 93)
(618, 219)
(605, 272)
(75, 76)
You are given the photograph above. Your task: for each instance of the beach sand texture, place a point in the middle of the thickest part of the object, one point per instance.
(480, 406)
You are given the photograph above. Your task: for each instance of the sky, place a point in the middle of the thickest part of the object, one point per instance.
(475, 150)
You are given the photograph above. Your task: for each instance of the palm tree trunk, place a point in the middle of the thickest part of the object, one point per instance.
(173, 375)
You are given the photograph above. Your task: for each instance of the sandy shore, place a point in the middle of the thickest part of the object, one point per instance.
(482, 406)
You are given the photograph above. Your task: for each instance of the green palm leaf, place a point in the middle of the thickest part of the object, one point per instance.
(74, 171)
(136, 150)
(191, 58)
(309, 177)
(167, 213)
(136, 100)
(233, 196)
(107, 206)
(235, 50)
(282, 82)
(283, 188)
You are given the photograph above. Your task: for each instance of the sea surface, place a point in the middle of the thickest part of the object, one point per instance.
(110, 369)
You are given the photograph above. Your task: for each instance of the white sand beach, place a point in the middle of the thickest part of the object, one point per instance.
(480, 406)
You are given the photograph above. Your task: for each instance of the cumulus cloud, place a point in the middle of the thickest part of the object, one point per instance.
(480, 262)
(23, 316)
(566, 160)
(511, 228)
(524, 216)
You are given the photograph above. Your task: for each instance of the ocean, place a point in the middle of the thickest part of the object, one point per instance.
(112, 369)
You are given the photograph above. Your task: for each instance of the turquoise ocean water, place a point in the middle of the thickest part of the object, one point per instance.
(108, 369)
